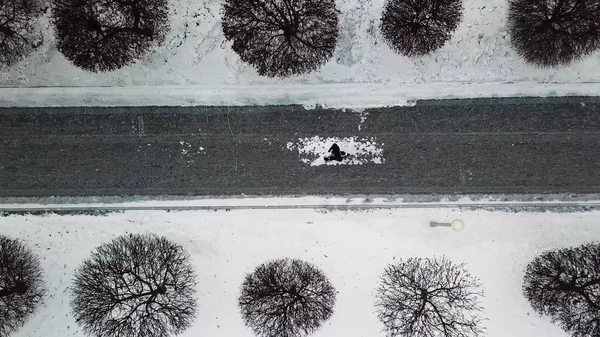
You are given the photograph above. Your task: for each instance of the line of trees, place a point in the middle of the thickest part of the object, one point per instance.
(145, 285)
(282, 38)
(425, 297)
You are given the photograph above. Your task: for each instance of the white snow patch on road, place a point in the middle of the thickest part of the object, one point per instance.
(186, 149)
(363, 117)
(189, 152)
(362, 150)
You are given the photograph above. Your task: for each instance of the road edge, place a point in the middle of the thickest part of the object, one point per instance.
(355, 96)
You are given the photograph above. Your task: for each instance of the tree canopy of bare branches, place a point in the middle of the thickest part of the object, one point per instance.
(104, 35)
(20, 32)
(282, 38)
(286, 298)
(564, 284)
(136, 285)
(21, 285)
(418, 27)
(429, 297)
(551, 33)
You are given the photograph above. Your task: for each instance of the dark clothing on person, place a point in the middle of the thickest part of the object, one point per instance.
(336, 154)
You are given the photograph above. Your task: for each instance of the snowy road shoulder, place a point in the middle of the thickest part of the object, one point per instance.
(515, 202)
(347, 95)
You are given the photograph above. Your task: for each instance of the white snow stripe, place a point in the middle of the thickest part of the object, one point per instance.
(288, 203)
(351, 96)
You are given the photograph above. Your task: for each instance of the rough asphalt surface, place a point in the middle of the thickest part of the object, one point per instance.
(520, 145)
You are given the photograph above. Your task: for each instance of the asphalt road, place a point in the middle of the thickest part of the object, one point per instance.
(520, 145)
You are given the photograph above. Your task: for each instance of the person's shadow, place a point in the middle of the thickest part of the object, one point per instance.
(336, 153)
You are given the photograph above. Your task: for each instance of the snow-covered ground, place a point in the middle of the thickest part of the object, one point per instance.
(197, 66)
(352, 247)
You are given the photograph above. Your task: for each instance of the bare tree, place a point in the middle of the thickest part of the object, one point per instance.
(418, 27)
(550, 33)
(281, 38)
(286, 298)
(104, 35)
(564, 284)
(20, 32)
(21, 285)
(429, 297)
(136, 285)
